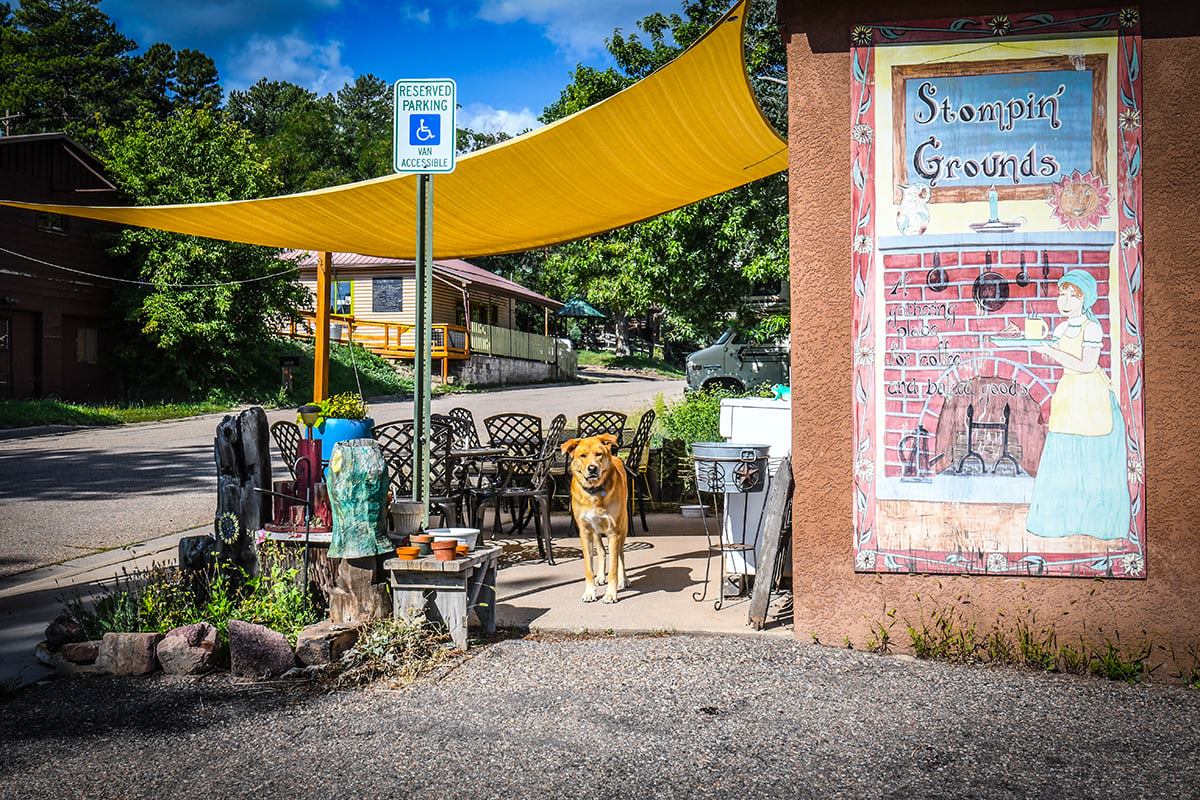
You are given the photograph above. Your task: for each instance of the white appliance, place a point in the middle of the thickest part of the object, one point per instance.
(752, 420)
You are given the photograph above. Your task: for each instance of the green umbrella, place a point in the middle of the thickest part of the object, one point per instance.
(581, 309)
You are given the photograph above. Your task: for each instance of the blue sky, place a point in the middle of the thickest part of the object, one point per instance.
(510, 57)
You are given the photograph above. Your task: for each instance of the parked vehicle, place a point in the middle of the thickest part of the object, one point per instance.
(736, 361)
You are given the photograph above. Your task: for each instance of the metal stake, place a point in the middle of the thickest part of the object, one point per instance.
(423, 389)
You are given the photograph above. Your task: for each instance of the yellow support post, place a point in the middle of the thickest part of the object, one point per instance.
(321, 334)
(545, 322)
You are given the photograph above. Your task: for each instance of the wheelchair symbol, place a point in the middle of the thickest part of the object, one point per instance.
(425, 129)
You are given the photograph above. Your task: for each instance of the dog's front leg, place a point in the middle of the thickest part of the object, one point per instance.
(589, 577)
(601, 556)
(616, 567)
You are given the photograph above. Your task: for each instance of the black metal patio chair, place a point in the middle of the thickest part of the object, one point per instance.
(287, 441)
(397, 439)
(635, 469)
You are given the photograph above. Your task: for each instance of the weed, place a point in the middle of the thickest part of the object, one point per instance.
(880, 639)
(393, 650)
(1073, 660)
(1186, 672)
(1112, 661)
(1038, 648)
(946, 636)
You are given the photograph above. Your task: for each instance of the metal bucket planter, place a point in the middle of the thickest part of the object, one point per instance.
(730, 467)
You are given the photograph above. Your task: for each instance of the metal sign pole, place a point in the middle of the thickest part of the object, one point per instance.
(423, 389)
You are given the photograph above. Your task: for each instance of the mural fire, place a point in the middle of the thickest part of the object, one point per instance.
(997, 257)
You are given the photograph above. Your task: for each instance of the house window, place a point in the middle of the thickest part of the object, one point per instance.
(51, 223)
(485, 313)
(460, 314)
(86, 345)
(341, 298)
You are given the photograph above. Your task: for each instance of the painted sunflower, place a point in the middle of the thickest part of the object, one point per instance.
(1000, 25)
(1129, 17)
(1080, 202)
(862, 35)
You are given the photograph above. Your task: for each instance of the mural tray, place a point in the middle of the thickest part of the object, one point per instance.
(1018, 341)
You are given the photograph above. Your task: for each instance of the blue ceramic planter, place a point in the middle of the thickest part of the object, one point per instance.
(335, 430)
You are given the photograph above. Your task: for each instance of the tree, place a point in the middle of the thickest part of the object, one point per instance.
(184, 79)
(364, 124)
(696, 264)
(195, 338)
(64, 66)
(295, 130)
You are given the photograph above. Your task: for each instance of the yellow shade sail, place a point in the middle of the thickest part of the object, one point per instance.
(688, 131)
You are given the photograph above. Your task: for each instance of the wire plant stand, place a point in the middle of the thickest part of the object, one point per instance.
(743, 474)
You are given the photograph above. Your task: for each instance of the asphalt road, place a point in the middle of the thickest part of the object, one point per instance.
(672, 717)
(71, 493)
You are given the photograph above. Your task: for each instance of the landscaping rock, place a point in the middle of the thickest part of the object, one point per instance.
(46, 656)
(324, 642)
(128, 653)
(81, 652)
(258, 652)
(63, 629)
(188, 650)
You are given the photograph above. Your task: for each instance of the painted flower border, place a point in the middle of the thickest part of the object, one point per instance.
(1126, 23)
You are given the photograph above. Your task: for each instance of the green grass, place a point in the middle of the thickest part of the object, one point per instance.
(594, 358)
(26, 413)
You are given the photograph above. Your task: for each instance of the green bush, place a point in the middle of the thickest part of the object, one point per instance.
(163, 598)
(697, 417)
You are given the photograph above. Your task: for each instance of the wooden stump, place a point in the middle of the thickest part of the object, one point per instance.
(243, 457)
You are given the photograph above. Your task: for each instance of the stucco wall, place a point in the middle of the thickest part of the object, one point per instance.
(831, 601)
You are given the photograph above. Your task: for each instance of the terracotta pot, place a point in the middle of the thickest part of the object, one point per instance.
(422, 540)
(444, 551)
(408, 553)
(461, 550)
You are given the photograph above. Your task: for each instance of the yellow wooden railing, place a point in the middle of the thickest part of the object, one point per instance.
(394, 340)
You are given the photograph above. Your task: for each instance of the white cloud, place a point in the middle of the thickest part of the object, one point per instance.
(291, 57)
(577, 28)
(415, 14)
(489, 119)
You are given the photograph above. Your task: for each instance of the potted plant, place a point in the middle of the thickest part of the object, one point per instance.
(342, 417)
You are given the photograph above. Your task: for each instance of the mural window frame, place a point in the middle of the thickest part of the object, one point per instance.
(1096, 63)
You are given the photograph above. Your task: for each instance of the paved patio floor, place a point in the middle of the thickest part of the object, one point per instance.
(664, 568)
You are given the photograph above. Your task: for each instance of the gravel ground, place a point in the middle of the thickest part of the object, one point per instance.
(614, 717)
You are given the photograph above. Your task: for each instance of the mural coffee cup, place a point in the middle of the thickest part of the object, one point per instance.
(1035, 329)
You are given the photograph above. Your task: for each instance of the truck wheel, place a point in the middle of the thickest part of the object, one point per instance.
(723, 385)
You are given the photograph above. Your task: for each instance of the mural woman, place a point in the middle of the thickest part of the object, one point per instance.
(1081, 485)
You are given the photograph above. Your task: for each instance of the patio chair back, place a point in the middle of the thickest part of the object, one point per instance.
(637, 445)
(287, 440)
(521, 434)
(594, 423)
(396, 439)
(466, 435)
(554, 436)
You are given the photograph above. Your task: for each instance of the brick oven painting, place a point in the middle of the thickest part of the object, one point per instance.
(997, 263)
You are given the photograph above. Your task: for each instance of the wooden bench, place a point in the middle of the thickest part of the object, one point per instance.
(444, 591)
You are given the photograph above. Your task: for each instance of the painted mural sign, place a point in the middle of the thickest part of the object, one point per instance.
(997, 263)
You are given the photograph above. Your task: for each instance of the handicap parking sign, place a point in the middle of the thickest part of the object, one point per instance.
(425, 129)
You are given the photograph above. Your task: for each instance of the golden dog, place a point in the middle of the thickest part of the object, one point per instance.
(599, 488)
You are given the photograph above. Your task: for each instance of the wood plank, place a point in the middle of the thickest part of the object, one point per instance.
(775, 514)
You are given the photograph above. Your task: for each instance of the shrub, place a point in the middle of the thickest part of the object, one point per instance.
(163, 598)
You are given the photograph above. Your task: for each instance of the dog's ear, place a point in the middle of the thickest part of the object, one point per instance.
(568, 446)
(609, 440)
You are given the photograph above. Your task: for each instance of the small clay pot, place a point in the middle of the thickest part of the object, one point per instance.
(444, 551)
(422, 540)
(408, 553)
(461, 550)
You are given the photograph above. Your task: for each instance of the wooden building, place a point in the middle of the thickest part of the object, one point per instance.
(373, 303)
(53, 336)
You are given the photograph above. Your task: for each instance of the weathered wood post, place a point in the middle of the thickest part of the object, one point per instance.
(243, 456)
(358, 485)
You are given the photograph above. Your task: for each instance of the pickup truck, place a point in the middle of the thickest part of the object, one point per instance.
(736, 362)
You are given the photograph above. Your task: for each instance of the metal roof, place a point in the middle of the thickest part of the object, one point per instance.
(465, 273)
